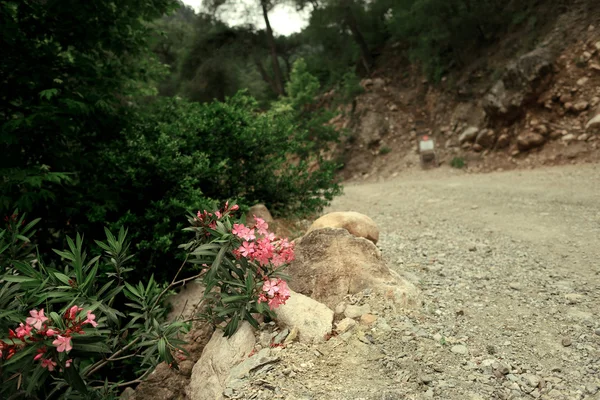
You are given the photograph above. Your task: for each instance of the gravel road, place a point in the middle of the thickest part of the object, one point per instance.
(508, 266)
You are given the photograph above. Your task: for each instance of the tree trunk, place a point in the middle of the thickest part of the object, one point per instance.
(351, 23)
(265, 75)
(274, 58)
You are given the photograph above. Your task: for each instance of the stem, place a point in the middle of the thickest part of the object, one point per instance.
(173, 282)
(114, 357)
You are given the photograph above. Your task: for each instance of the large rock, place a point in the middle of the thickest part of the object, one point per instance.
(469, 135)
(357, 224)
(210, 374)
(486, 138)
(521, 83)
(185, 303)
(331, 263)
(261, 211)
(529, 140)
(312, 319)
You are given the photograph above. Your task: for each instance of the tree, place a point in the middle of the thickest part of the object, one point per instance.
(277, 81)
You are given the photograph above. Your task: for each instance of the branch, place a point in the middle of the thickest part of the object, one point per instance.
(114, 357)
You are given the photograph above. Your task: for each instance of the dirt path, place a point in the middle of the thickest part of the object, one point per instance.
(509, 267)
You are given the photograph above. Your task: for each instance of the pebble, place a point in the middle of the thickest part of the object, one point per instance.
(515, 286)
(353, 311)
(597, 331)
(566, 342)
(459, 349)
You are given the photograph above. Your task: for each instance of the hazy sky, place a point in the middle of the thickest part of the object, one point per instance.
(285, 20)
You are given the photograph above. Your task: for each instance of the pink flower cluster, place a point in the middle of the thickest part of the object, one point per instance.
(275, 293)
(36, 330)
(264, 249)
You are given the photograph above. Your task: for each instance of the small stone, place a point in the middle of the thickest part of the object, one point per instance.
(583, 137)
(583, 81)
(574, 298)
(566, 342)
(586, 56)
(292, 336)
(501, 367)
(591, 388)
(569, 137)
(345, 325)
(515, 286)
(459, 349)
(595, 67)
(339, 309)
(353, 311)
(581, 106)
(426, 379)
(281, 336)
(368, 319)
(531, 380)
(597, 331)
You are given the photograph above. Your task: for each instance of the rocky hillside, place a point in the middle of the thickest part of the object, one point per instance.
(519, 105)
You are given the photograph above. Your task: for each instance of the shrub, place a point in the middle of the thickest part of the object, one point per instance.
(66, 324)
(385, 150)
(242, 263)
(73, 331)
(458, 162)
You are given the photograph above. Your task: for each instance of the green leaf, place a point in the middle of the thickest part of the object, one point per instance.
(74, 379)
(91, 347)
(233, 299)
(62, 277)
(133, 290)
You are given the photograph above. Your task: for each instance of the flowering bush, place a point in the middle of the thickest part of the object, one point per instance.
(240, 266)
(72, 331)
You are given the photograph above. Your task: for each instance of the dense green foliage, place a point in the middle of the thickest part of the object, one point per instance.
(87, 143)
(116, 331)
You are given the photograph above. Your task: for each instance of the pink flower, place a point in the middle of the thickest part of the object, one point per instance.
(250, 235)
(36, 319)
(271, 287)
(90, 319)
(40, 353)
(63, 343)
(47, 363)
(218, 214)
(239, 230)
(261, 225)
(72, 312)
(23, 330)
(51, 332)
(234, 208)
(275, 302)
(68, 362)
(246, 249)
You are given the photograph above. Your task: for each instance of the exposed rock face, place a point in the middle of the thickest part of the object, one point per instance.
(212, 370)
(357, 224)
(312, 319)
(331, 263)
(521, 83)
(372, 129)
